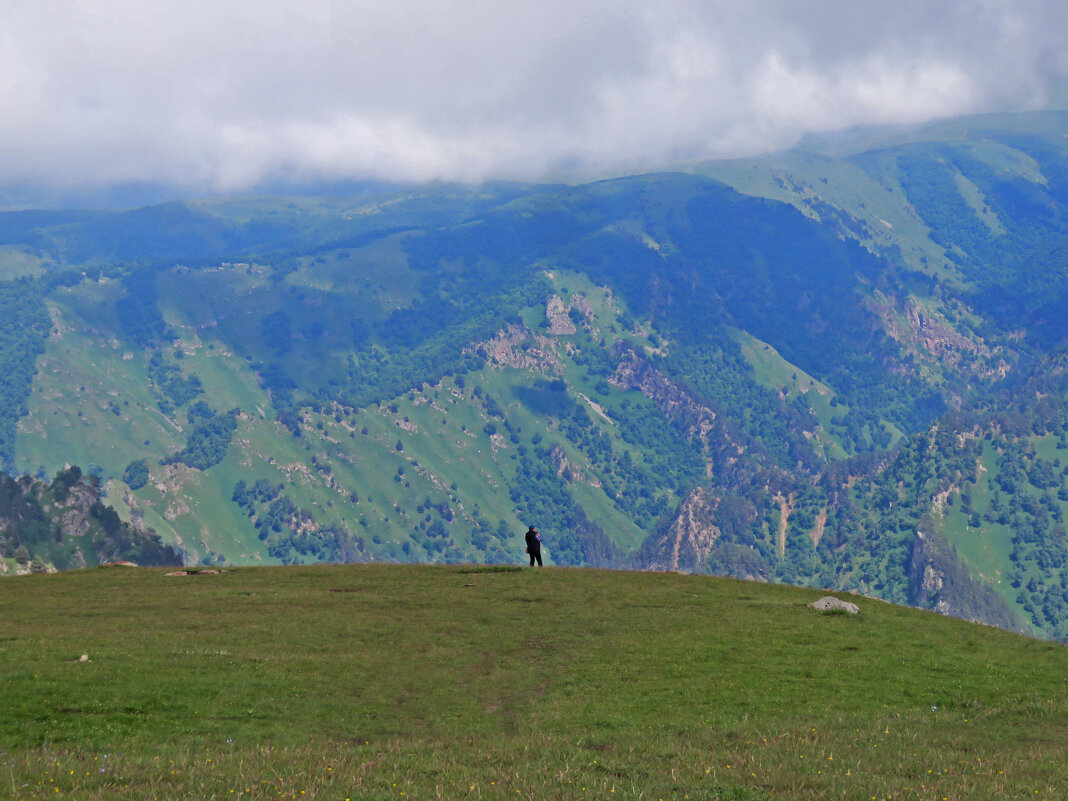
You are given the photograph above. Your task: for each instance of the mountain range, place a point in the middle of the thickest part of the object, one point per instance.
(843, 365)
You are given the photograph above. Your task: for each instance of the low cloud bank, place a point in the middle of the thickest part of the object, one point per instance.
(225, 95)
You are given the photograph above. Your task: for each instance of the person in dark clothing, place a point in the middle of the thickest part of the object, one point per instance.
(534, 546)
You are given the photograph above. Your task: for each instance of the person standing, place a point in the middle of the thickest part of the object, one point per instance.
(534, 546)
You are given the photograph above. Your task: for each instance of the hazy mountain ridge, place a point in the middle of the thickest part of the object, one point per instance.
(793, 381)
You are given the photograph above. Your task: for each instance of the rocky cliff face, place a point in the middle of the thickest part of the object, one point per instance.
(520, 348)
(928, 336)
(559, 316)
(691, 536)
(74, 511)
(637, 373)
(936, 337)
(559, 321)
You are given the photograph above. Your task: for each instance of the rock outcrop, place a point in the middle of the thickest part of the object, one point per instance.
(927, 336)
(518, 347)
(690, 537)
(557, 313)
(937, 338)
(559, 316)
(828, 603)
(637, 373)
(566, 469)
(75, 518)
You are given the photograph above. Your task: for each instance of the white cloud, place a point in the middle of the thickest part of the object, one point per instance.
(222, 94)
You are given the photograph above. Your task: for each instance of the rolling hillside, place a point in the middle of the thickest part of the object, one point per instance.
(839, 366)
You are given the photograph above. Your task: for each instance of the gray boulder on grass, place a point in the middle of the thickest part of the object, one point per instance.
(829, 603)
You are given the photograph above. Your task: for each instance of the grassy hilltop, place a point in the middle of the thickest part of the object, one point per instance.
(415, 682)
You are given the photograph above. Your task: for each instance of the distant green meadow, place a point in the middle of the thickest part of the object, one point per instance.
(425, 682)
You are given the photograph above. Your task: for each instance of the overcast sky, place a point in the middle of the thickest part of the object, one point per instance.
(221, 94)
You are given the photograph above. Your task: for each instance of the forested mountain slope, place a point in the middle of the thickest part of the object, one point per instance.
(841, 365)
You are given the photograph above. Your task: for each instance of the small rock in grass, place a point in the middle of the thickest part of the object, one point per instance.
(829, 603)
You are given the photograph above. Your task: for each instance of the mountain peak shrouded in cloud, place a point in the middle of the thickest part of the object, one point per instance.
(225, 96)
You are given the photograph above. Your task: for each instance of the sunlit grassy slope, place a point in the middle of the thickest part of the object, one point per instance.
(381, 682)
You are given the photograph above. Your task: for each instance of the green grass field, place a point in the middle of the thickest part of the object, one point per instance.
(419, 682)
